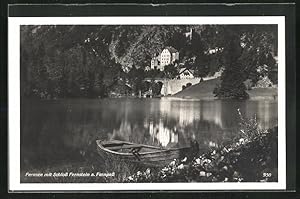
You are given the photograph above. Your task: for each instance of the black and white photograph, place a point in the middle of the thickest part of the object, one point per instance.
(118, 102)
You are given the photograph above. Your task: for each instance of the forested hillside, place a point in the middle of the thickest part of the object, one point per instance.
(92, 61)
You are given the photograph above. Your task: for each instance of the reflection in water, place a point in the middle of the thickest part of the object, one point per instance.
(53, 130)
(163, 134)
(264, 114)
(171, 123)
(186, 112)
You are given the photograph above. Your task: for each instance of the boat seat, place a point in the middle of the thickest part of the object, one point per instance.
(125, 147)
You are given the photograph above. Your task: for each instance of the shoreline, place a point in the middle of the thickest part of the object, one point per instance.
(254, 94)
(245, 160)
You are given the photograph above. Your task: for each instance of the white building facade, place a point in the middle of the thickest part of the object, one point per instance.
(169, 55)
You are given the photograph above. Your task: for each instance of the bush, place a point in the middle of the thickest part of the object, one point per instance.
(249, 128)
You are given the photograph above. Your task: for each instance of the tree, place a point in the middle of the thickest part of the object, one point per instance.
(136, 78)
(170, 71)
(178, 41)
(244, 50)
(156, 88)
(55, 70)
(232, 85)
(200, 66)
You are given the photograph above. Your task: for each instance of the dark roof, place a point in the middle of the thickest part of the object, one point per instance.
(186, 69)
(171, 49)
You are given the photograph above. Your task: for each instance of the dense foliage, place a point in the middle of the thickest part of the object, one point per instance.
(95, 61)
(247, 49)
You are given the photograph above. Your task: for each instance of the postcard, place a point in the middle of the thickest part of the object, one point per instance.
(147, 103)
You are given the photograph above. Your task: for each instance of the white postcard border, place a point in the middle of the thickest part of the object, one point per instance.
(14, 102)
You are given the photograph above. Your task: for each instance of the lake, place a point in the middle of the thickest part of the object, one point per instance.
(58, 132)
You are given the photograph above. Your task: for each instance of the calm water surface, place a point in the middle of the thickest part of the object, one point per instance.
(63, 131)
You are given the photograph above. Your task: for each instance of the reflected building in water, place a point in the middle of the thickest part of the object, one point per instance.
(187, 112)
(176, 120)
(172, 123)
(267, 117)
(164, 135)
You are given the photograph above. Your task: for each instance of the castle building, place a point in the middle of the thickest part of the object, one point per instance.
(189, 34)
(168, 56)
(155, 61)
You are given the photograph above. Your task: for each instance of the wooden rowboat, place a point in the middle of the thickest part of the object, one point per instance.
(139, 154)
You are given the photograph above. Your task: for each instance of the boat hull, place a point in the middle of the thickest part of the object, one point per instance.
(155, 158)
